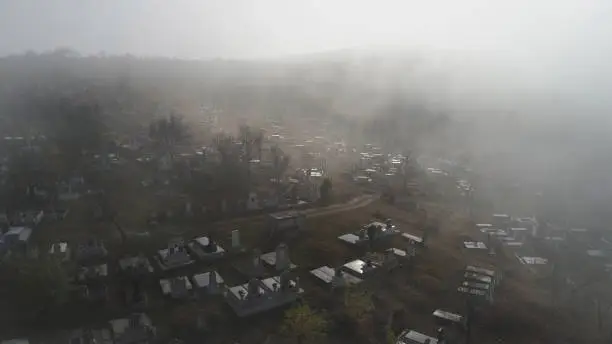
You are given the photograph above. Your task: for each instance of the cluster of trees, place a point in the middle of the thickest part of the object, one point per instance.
(33, 285)
(306, 325)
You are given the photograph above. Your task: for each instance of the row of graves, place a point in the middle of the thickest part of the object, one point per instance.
(477, 285)
(510, 234)
(137, 328)
(371, 264)
(269, 280)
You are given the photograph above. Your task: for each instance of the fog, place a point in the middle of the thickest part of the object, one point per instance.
(525, 83)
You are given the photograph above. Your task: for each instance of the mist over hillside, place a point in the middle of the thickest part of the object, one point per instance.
(506, 122)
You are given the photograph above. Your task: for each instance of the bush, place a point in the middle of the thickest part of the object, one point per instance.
(304, 324)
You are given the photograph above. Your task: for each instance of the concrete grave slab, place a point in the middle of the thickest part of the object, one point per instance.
(475, 245)
(350, 238)
(360, 268)
(533, 260)
(204, 249)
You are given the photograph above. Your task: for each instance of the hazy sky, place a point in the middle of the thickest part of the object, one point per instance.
(567, 41)
(261, 28)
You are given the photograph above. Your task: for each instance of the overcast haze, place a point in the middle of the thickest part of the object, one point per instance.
(554, 40)
(565, 44)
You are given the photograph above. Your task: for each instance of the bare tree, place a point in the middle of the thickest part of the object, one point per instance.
(168, 132)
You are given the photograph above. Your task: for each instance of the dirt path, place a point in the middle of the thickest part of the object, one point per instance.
(355, 203)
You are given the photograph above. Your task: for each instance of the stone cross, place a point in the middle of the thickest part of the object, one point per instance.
(282, 257)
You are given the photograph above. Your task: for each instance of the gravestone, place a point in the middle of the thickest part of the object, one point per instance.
(253, 290)
(211, 247)
(178, 287)
(256, 259)
(236, 240)
(251, 266)
(390, 260)
(337, 280)
(282, 257)
(213, 286)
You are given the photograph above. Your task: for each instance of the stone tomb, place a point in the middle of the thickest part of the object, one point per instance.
(136, 265)
(211, 282)
(279, 259)
(445, 318)
(177, 287)
(414, 337)
(520, 233)
(496, 277)
(476, 277)
(206, 248)
(236, 244)
(513, 244)
(350, 238)
(413, 238)
(92, 249)
(479, 293)
(251, 267)
(334, 277)
(93, 292)
(360, 268)
(60, 250)
(94, 272)
(371, 232)
(136, 329)
(174, 256)
(258, 296)
(390, 259)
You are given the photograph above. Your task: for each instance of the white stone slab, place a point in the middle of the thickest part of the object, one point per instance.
(533, 260)
(475, 245)
(203, 280)
(412, 237)
(359, 268)
(165, 285)
(350, 238)
(324, 273)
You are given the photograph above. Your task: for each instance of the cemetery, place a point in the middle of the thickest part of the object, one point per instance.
(221, 273)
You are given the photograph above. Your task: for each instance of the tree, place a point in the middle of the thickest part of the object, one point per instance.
(325, 190)
(33, 285)
(73, 127)
(304, 324)
(280, 162)
(357, 304)
(168, 132)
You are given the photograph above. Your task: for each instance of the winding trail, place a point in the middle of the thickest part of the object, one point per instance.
(355, 203)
